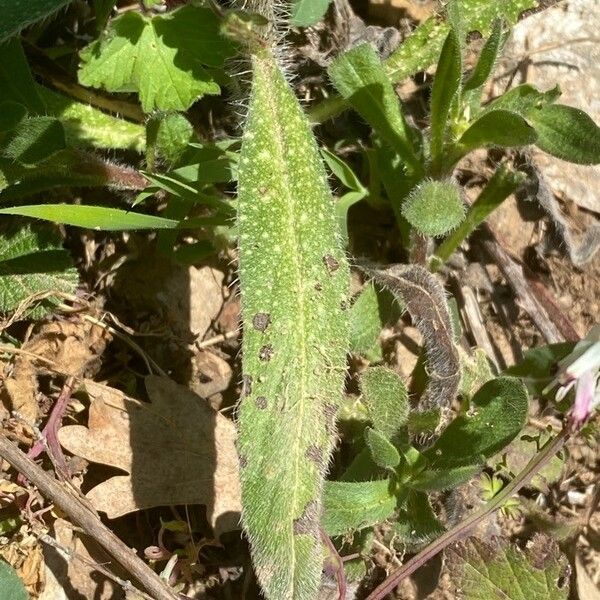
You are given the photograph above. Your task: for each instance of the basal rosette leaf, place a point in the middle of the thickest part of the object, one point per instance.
(294, 282)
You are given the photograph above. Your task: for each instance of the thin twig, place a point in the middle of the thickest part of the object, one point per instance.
(86, 519)
(463, 528)
(218, 339)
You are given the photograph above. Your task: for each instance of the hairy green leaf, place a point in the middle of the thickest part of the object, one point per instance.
(174, 134)
(342, 170)
(308, 12)
(523, 99)
(35, 140)
(434, 208)
(567, 132)
(294, 282)
(497, 414)
(497, 569)
(417, 523)
(33, 261)
(365, 322)
(359, 76)
(386, 398)
(18, 14)
(163, 58)
(487, 58)
(353, 505)
(11, 113)
(91, 217)
(438, 480)
(12, 587)
(382, 450)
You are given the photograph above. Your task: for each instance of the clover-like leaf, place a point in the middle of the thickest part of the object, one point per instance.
(434, 207)
(353, 505)
(163, 58)
(496, 569)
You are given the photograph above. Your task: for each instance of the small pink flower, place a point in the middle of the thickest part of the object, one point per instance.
(581, 368)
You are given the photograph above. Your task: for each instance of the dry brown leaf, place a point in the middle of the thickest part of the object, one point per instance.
(586, 587)
(211, 374)
(175, 449)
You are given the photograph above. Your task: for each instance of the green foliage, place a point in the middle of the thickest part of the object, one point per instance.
(365, 324)
(12, 587)
(487, 59)
(359, 76)
(174, 134)
(293, 279)
(307, 12)
(11, 114)
(141, 54)
(434, 207)
(35, 140)
(386, 399)
(567, 133)
(493, 569)
(91, 217)
(417, 523)
(351, 506)
(383, 452)
(18, 14)
(32, 262)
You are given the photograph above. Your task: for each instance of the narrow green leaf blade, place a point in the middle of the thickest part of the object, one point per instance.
(487, 58)
(18, 14)
(359, 76)
(342, 170)
(354, 505)
(568, 133)
(438, 480)
(91, 217)
(366, 323)
(483, 570)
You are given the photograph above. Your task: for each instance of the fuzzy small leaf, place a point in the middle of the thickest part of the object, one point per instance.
(91, 217)
(11, 585)
(36, 139)
(308, 12)
(417, 523)
(568, 133)
(445, 86)
(351, 506)
(498, 128)
(359, 76)
(434, 208)
(523, 99)
(386, 398)
(382, 450)
(497, 414)
(163, 58)
(487, 58)
(483, 570)
(18, 14)
(33, 261)
(174, 134)
(438, 480)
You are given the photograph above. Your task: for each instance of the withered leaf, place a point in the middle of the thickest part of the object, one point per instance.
(424, 298)
(175, 450)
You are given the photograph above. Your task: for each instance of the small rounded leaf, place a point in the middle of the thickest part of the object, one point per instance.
(434, 208)
(382, 450)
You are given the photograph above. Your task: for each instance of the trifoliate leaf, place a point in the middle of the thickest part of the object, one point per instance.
(163, 58)
(33, 261)
(10, 584)
(434, 208)
(483, 570)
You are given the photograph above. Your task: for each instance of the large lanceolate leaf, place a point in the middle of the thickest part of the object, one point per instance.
(17, 14)
(294, 282)
(163, 58)
(33, 262)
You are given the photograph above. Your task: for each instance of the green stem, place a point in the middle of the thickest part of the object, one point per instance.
(503, 183)
(461, 530)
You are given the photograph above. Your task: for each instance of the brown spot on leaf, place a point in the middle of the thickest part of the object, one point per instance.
(343, 305)
(266, 352)
(331, 263)
(261, 402)
(261, 321)
(243, 462)
(319, 286)
(306, 524)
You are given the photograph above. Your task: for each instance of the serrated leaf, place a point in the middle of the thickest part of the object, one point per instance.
(294, 281)
(537, 367)
(163, 58)
(33, 261)
(386, 398)
(359, 76)
(18, 14)
(91, 217)
(351, 506)
(497, 128)
(308, 12)
(445, 86)
(434, 207)
(382, 450)
(35, 140)
(11, 585)
(499, 570)
(497, 414)
(487, 58)
(567, 132)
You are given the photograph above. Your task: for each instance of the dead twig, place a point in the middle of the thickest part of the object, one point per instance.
(87, 520)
